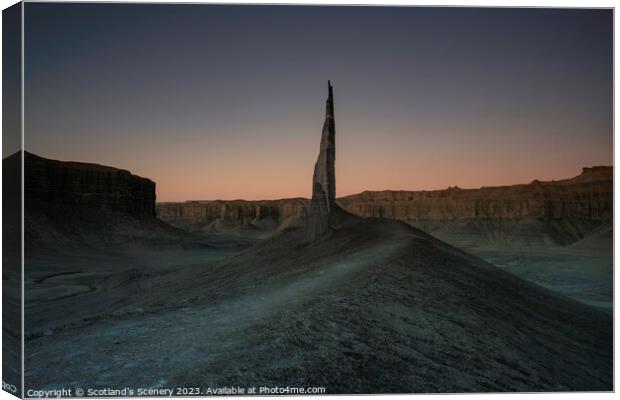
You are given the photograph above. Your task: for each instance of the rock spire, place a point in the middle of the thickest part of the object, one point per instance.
(323, 205)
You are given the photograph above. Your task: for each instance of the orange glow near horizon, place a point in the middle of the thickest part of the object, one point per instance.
(364, 161)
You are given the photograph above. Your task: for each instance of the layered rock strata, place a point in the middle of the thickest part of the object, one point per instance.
(80, 184)
(201, 215)
(75, 204)
(578, 205)
(587, 196)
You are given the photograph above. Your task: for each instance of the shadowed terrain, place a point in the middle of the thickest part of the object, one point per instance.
(558, 234)
(377, 307)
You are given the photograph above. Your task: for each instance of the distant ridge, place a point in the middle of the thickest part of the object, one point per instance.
(539, 213)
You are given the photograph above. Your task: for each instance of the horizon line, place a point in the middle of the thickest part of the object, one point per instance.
(455, 187)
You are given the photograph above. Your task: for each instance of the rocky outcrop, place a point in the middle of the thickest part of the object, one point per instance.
(220, 216)
(86, 185)
(537, 214)
(557, 212)
(587, 196)
(73, 204)
(323, 203)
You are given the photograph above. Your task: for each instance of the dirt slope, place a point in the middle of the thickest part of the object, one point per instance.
(378, 307)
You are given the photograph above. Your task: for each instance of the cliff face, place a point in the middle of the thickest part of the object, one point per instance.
(587, 196)
(225, 215)
(70, 204)
(558, 212)
(87, 185)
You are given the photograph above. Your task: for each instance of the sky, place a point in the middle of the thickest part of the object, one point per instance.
(228, 102)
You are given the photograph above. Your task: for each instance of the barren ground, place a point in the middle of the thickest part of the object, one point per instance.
(379, 307)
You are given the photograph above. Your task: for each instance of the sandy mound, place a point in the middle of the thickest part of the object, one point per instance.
(408, 312)
(377, 307)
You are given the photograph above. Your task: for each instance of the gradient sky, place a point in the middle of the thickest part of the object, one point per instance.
(228, 101)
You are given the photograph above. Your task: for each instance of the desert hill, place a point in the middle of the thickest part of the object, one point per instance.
(401, 310)
(375, 307)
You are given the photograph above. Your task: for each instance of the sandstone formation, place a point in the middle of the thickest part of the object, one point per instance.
(564, 211)
(587, 196)
(323, 205)
(87, 185)
(69, 204)
(224, 215)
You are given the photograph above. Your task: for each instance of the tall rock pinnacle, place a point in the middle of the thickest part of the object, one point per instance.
(323, 205)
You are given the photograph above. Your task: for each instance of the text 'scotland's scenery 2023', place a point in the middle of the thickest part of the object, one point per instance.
(181, 225)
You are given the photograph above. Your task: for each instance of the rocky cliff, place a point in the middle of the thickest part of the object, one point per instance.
(70, 204)
(87, 185)
(511, 217)
(234, 216)
(587, 196)
(556, 212)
